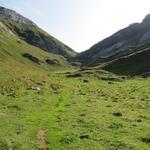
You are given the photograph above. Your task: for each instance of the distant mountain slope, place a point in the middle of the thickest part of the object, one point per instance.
(122, 41)
(134, 64)
(18, 56)
(32, 34)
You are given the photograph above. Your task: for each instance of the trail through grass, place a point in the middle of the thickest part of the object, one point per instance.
(69, 113)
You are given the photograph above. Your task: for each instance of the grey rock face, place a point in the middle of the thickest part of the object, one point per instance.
(12, 15)
(145, 37)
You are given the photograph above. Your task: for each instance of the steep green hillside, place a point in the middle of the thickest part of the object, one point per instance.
(37, 37)
(15, 53)
(133, 64)
(31, 33)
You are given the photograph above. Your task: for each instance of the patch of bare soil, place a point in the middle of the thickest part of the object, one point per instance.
(43, 144)
(2, 114)
(10, 145)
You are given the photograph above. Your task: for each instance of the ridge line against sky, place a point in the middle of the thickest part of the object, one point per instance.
(81, 23)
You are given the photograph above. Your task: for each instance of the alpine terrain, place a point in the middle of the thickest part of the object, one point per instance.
(52, 98)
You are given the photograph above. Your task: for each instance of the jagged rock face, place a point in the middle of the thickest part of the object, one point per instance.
(12, 15)
(133, 35)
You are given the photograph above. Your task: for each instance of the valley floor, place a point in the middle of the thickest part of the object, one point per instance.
(56, 112)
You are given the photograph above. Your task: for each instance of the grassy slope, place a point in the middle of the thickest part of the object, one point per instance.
(32, 33)
(67, 108)
(12, 49)
(133, 64)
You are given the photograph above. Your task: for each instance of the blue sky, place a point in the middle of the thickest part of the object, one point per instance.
(81, 23)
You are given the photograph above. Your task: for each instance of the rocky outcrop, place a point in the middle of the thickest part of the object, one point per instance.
(12, 15)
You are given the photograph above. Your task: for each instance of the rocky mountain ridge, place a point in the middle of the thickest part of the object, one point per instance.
(12, 15)
(122, 41)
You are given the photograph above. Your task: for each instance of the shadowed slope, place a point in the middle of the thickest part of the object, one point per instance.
(32, 34)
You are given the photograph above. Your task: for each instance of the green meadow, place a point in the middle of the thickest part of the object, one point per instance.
(88, 110)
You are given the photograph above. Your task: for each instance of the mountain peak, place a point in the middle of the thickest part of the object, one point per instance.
(12, 15)
(147, 18)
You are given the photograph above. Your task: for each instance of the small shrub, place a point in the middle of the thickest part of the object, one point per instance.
(3, 145)
(146, 139)
(115, 126)
(118, 114)
(67, 139)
